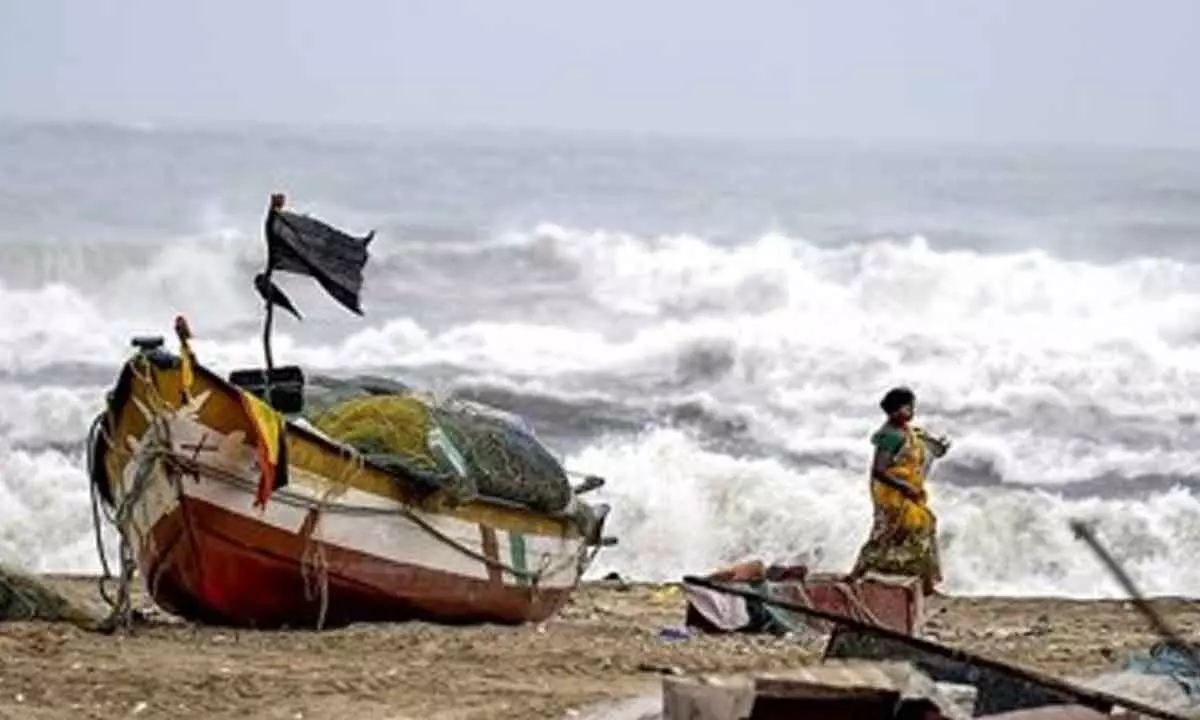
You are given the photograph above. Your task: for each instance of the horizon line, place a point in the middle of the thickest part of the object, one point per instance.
(720, 136)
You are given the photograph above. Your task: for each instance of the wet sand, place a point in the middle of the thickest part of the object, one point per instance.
(604, 645)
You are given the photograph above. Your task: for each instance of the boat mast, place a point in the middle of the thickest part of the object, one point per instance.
(276, 204)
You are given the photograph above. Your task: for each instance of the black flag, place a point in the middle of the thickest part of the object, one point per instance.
(306, 246)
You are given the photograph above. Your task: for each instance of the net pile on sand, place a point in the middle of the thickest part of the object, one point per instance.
(24, 597)
(473, 448)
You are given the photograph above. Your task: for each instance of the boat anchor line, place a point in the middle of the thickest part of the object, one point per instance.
(121, 517)
(314, 567)
(94, 432)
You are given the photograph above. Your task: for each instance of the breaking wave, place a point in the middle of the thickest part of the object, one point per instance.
(725, 388)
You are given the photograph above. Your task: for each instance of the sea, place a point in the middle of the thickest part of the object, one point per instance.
(707, 323)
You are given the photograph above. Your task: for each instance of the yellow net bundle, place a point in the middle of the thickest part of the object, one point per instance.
(474, 449)
(383, 425)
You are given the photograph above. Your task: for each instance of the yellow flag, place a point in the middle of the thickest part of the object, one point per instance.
(187, 360)
(270, 446)
(187, 375)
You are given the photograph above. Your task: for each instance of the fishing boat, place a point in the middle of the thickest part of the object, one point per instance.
(236, 511)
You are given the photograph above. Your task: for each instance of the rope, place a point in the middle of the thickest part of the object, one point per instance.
(122, 605)
(121, 613)
(106, 571)
(313, 558)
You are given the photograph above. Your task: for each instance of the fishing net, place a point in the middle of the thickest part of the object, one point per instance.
(506, 459)
(473, 449)
(322, 392)
(24, 597)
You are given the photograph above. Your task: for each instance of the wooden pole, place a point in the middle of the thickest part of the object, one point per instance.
(276, 203)
(268, 357)
(268, 322)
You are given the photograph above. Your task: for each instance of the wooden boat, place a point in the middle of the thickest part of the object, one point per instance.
(236, 513)
(343, 541)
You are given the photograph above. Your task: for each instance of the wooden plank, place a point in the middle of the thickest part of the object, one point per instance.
(860, 684)
(1055, 712)
(707, 698)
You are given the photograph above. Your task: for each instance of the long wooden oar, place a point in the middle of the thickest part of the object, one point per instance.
(1156, 620)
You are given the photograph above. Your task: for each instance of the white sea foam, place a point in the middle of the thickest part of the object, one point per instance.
(1047, 373)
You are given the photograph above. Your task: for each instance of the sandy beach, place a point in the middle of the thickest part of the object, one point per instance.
(604, 645)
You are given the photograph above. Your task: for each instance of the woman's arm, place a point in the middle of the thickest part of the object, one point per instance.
(880, 465)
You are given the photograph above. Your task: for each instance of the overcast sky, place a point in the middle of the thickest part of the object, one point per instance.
(1107, 71)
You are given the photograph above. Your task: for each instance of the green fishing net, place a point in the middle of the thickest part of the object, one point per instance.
(473, 449)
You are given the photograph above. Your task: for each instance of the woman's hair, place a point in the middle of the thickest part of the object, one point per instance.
(897, 398)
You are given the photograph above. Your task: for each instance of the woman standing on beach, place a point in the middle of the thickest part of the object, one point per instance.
(903, 539)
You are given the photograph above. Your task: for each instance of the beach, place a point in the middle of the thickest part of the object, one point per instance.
(604, 646)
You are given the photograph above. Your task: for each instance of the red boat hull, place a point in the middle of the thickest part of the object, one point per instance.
(211, 565)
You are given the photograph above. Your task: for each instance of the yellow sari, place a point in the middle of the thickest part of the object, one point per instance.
(903, 539)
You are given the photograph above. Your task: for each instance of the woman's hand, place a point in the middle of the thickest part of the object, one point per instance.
(939, 445)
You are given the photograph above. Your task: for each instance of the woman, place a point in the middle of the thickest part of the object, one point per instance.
(903, 539)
